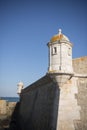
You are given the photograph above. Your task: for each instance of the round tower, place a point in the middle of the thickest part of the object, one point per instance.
(60, 57)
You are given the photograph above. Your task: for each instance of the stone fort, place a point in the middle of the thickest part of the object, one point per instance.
(69, 106)
(70, 76)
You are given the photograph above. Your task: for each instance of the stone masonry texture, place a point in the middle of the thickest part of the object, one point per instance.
(82, 102)
(80, 66)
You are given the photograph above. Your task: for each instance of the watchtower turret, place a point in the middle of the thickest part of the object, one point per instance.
(60, 57)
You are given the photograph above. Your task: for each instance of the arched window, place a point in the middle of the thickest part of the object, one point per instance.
(54, 50)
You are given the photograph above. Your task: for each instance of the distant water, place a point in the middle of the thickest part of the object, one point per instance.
(10, 99)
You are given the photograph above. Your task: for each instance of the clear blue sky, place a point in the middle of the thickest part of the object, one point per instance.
(25, 28)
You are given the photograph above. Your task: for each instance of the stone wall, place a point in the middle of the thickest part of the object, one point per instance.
(80, 65)
(72, 114)
(3, 105)
(6, 109)
(82, 102)
(69, 110)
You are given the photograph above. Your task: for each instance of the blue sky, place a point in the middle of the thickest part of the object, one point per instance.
(25, 28)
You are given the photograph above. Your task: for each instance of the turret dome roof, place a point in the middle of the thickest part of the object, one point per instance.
(20, 84)
(59, 36)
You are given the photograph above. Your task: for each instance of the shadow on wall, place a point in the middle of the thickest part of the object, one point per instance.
(4, 123)
(38, 107)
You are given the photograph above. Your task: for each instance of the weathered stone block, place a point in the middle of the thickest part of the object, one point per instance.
(3, 105)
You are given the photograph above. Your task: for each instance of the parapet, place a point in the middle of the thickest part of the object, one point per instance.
(80, 65)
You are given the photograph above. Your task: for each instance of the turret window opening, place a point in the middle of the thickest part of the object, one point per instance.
(69, 51)
(54, 51)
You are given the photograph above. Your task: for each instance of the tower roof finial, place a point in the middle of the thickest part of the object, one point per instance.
(60, 31)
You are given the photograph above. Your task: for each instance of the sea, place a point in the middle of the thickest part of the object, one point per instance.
(10, 99)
